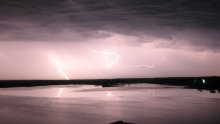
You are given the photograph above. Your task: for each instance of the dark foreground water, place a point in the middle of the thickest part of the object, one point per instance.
(84, 104)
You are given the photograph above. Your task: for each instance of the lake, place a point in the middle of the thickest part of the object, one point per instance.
(84, 104)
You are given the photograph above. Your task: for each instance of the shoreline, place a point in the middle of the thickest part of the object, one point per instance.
(206, 83)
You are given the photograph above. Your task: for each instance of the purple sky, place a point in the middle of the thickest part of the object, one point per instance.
(78, 39)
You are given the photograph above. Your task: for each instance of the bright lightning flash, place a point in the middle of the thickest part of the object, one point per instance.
(60, 69)
(151, 66)
(108, 62)
(139, 66)
(62, 73)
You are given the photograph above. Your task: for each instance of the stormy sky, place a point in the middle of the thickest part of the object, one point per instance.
(84, 39)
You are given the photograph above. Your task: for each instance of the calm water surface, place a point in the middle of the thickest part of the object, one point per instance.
(84, 104)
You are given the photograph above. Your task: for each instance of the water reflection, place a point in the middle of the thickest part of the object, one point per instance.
(109, 94)
(83, 104)
(98, 92)
(60, 92)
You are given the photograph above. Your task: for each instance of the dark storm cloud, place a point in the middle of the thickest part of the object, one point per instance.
(71, 20)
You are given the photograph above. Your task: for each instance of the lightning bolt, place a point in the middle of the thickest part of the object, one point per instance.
(151, 66)
(108, 63)
(60, 69)
(62, 73)
(140, 66)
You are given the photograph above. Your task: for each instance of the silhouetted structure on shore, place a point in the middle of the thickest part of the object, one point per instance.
(120, 122)
(201, 83)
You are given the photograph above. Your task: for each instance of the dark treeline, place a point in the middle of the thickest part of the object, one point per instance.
(201, 83)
